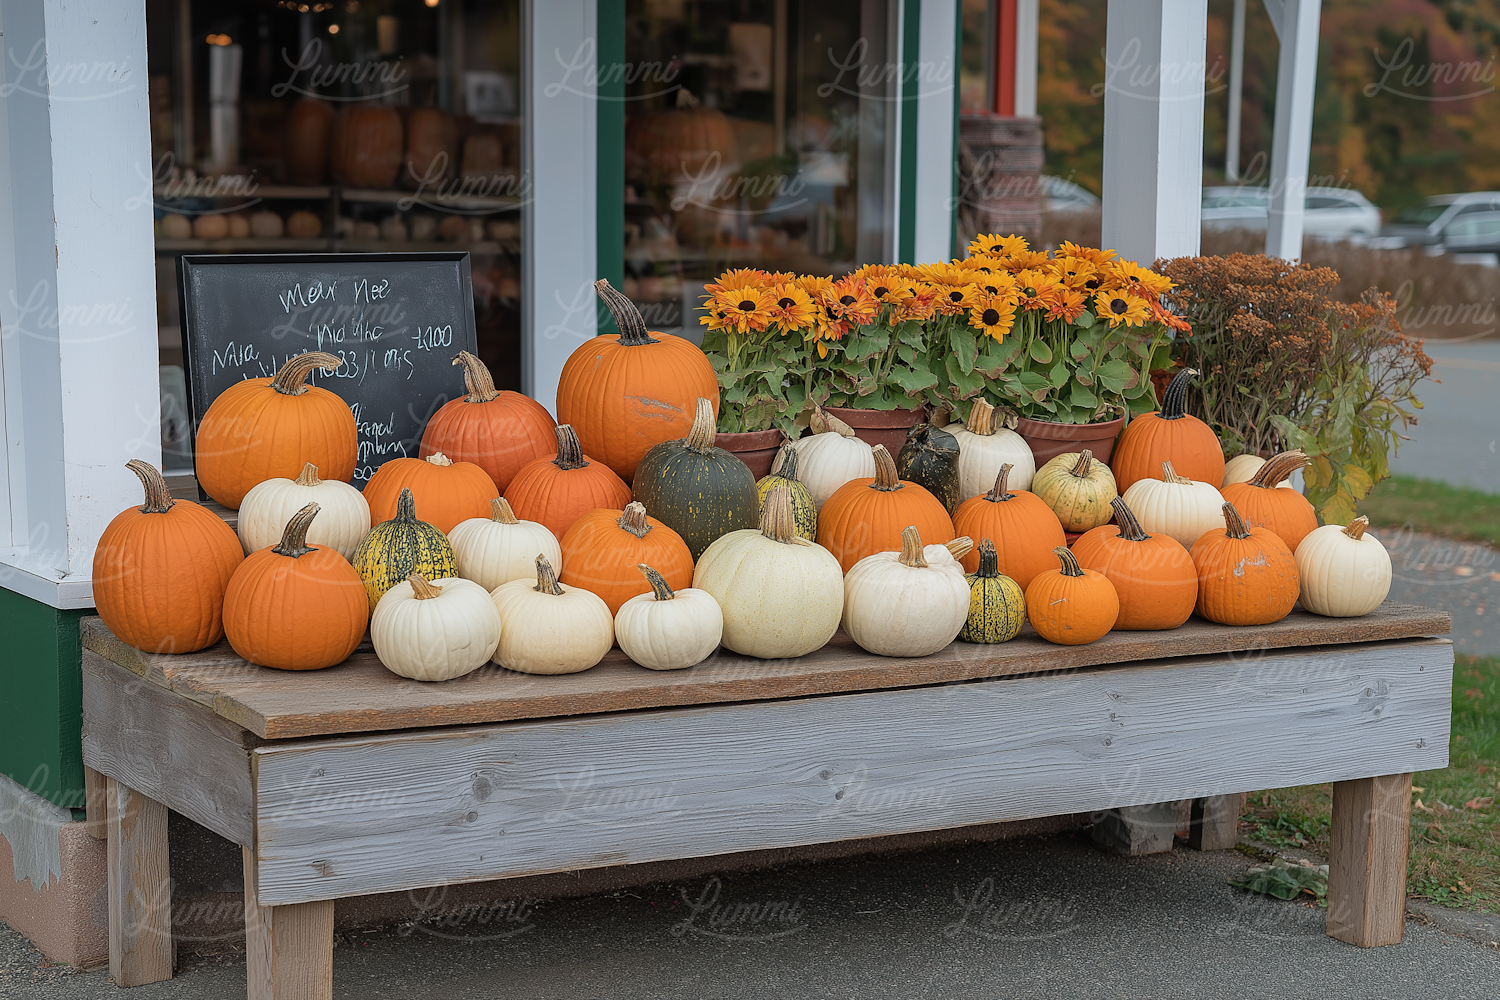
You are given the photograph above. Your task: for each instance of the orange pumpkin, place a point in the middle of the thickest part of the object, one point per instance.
(1246, 575)
(557, 491)
(499, 431)
(1153, 575)
(1262, 504)
(1169, 435)
(664, 147)
(1071, 606)
(366, 147)
(626, 393)
(603, 548)
(1022, 527)
(446, 491)
(307, 127)
(295, 606)
(160, 571)
(269, 428)
(865, 516)
(431, 147)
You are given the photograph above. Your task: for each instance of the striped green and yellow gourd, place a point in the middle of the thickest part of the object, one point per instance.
(997, 605)
(403, 545)
(804, 507)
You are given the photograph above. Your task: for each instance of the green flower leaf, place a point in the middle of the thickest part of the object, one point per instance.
(1040, 352)
(965, 349)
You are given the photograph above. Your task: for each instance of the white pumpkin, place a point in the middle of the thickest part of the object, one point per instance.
(831, 456)
(500, 548)
(1176, 506)
(984, 446)
(434, 631)
(1345, 572)
(547, 628)
(782, 596)
(343, 513)
(1242, 468)
(666, 629)
(906, 603)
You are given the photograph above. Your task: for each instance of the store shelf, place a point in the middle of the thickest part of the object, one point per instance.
(262, 192)
(325, 244)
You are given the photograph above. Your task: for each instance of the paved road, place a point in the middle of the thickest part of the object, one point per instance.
(1461, 578)
(1455, 440)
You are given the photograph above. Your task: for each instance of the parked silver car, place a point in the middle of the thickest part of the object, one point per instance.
(1328, 213)
(1463, 223)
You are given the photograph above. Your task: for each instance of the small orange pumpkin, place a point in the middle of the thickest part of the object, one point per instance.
(1071, 606)
(1022, 527)
(295, 606)
(269, 428)
(446, 492)
(1246, 575)
(865, 516)
(1169, 435)
(603, 548)
(1153, 575)
(499, 431)
(365, 148)
(160, 570)
(557, 491)
(1261, 503)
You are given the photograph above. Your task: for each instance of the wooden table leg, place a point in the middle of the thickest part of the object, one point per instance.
(140, 888)
(1367, 860)
(1215, 823)
(288, 949)
(95, 791)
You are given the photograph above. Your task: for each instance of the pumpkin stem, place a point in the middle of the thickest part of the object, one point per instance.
(1278, 468)
(439, 459)
(1000, 493)
(776, 519)
(308, 476)
(1169, 475)
(1356, 528)
(477, 378)
(294, 538)
(887, 480)
(633, 519)
(421, 588)
(785, 465)
(158, 498)
(291, 380)
(960, 546)
(501, 513)
(701, 436)
(1130, 525)
(822, 422)
(1234, 525)
(569, 450)
(627, 316)
(658, 585)
(1084, 465)
(406, 507)
(1069, 561)
(989, 561)
(1174, 400)
(546, 578)
(981, 419)
(911, 547)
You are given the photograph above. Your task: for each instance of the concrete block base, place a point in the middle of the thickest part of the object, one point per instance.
(67, 917)
(1134, 830)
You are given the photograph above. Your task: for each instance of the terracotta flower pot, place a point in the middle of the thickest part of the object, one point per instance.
(887, 427)
(1049, 439)
(756, 449)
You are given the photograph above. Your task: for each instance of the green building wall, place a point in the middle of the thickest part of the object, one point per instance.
(41, 706)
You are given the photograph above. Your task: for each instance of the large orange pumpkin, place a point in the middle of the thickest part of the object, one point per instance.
(557, 491)
(269, 428)
(604, 548)
(1022, 527)
(431, 147)
(446, 491)
(1153, 575)
(1071, 606)
(626, 393)
(366, 146)
(665, 147)
(1260, 502)
(160, 571)
(295, 606)
(1168, 435)
(1246, 575)
(865, 516)
(307, 128)
(499, 431)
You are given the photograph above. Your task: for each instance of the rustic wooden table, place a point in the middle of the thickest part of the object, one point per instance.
(352, 780)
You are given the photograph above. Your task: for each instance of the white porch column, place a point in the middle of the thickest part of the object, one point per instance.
(1153, 127)
(1028, 21)
(1291, 147)
(937, 96)
(77, 286)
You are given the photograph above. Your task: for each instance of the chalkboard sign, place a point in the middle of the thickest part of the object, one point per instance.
(397, 320)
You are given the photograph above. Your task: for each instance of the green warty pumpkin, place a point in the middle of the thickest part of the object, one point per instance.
(997, 605)
(403, 545)
(804, 507)
(929, 458)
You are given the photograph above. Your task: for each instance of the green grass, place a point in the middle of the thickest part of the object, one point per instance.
(1436, 508)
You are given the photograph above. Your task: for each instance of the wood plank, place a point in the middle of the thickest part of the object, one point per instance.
(140, 888)
(1367, 860)
(360, 695)
(288, 949)
(526, 797)
(186, 488)
(1215, 823)
(96, 809)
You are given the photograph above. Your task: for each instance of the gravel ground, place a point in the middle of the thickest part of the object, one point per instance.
(1461, 578)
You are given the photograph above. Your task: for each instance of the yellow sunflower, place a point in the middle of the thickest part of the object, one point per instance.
(1029, 260)
(992, 245)
(993, 314)
(1143, 279)
(851, 298)
(1074, 272)
(744, 278)
(918, 306)
(1037, 288)
(1096, 257)
(745, 309)
(812, 285)
(792, 308)
(885, 282)
(1122, 306)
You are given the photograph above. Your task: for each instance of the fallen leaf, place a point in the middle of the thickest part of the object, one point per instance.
(1473, 693)
(1418, 789)
(1464, 570)
(1417, 805)
(1483, 803)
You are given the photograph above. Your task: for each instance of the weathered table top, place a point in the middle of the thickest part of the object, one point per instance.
(361, 695)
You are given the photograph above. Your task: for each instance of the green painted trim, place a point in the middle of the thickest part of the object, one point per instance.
(609, 155)
(958, 51)
(911, 42)
(41, 715)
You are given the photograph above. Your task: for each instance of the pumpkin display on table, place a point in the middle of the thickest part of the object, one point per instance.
(831, 456)
(365, 149)
(666, 629)
(1175, 505)
(1344, 572)
(782, 596)
(1246, 574)
(501, 548)
(628, 392)
(559, 490)
(929, 458)
(1071, 606)
(269, 428)
(997, 604)
(435, 630)
(446, 492)
(1023, 530)
(295, 606)
(784, 473)
(896, 604)
(549, 628)
(307, 132)
(399, 547)
(161, 569)
(1153, 575)
(985, 444)
(1286, 512)
(867, 516)
(603, 550)
(499, 431)
(343, 516)
(1170, 434)
(1078, 488)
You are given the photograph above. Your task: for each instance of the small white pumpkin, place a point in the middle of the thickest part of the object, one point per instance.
(1242, 469)
(1345, 572)
(831, 456)
(547, 628)
(666, 629)
(782, 596)
(500, 548)
(1176, 506)
(906, 603)
(983, 446)
(434, 631)
(343, 513)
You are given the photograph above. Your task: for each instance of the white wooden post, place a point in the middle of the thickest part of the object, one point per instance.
(77, 286)
(1028, 19)
(1236, 92)
(1153, 127)
(937, 83)
(1296, 73)
(558, 305)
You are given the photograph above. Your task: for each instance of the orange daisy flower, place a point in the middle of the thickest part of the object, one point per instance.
(919, 306)
(992, 245)
(744, 278)
(1029, 260)
(1067, 305)
(1096, 257)
(851, 298)
(1143, 279)
(1037, 288)
(792, 308)
(746, 310)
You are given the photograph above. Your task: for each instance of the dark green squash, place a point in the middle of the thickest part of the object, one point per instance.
(699, 491)
(403, 545)
(997, 605)
(929, 458)
(784, 473)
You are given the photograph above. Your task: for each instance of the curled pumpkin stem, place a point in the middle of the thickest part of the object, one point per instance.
(658, 585)
(158, 497)
(989, 561)
(981, 419)
(823, 422)
(887, 479)
(1234, 524)
(439, 459)
(1169, 475)
(308, 476)
(477, 378)
(406, 507)
(546, 578)
(911, 547)
(291, 379)
(1000, 492)
(1278, 468)
(1084, 465)
(294, 539)
(422, 588)
(786, 461)
(633, 519)
(777, 521)
(1130, 525)
(501, 513)
(627, 317)
(960, 546)
(569, 449)
(701, 435)
(1069, 561)
(1174, 400)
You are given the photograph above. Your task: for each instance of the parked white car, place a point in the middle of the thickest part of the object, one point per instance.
(1463, 223)
(1328, 213)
